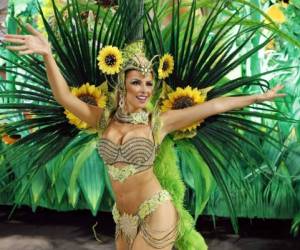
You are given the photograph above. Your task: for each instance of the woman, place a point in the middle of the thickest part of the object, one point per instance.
(145, 215)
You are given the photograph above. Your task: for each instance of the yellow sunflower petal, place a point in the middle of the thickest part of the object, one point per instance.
(89, 93)
(275, 13)
(166, 66)
(110, 60)
(74, 91)
(194, 96)
(92, 90)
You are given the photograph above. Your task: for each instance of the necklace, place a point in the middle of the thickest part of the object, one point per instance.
(141, 117)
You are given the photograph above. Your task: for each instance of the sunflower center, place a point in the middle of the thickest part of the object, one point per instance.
(165, 66)
(183, 102)
(88, 99)
(110, 60)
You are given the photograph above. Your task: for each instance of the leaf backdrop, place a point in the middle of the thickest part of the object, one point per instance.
(236, 156)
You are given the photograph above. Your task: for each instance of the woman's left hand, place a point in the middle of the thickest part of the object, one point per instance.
(270, 94)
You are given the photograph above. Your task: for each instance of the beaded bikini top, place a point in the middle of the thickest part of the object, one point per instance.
(137, 150)
(138, 153)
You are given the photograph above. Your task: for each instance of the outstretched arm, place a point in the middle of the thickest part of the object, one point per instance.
(36, 43)
(176, 119)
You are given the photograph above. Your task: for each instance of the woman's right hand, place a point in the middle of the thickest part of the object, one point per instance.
(29, 44)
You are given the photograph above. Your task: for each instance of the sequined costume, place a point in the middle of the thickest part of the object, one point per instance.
(130, 225)
(138, 154)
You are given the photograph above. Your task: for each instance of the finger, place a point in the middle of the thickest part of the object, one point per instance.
(25, 52)
(32, 30)
(281, 95)
(279, 86)
(24, 47)
(14, 36)
(274, 88)
(14, 40)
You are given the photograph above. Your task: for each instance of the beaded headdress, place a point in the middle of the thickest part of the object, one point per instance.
(113, 60)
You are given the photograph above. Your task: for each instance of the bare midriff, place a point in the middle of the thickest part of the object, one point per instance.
(134, 190)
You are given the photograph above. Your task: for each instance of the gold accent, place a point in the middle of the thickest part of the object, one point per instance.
(141, 117)
(129, 225)
(135, 58)
(121, 174)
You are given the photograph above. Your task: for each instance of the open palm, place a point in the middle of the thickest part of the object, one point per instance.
(28, 44)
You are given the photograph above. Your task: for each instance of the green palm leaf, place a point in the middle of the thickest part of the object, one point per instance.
(196, 174)
(92, 183)
(203, 57)
(76, 59)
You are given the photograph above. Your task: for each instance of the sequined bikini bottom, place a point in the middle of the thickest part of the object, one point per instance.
(129, 225)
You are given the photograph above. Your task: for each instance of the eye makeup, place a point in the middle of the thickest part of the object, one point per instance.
(149, 83)
(135, 81)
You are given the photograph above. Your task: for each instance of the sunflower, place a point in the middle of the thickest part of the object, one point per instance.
(275, 12)
(89, 94)
(183, 98)
(110, 60)
(166, 66)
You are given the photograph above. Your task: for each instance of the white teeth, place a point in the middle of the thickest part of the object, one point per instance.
(141, 97)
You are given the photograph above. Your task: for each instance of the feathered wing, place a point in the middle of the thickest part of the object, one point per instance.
(50, 146)
(167, 171)
(204, 53)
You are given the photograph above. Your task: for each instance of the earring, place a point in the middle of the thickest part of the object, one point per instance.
(122, 101)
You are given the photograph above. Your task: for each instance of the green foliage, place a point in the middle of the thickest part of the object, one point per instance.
(258, 196)
(203, 57)
(76, 56)
(196, 174)
(168, 174)
(247, 153)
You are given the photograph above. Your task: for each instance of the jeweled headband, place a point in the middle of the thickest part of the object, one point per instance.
(113, 61)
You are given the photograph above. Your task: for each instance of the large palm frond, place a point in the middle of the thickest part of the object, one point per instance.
(203, 57)
(47, 133)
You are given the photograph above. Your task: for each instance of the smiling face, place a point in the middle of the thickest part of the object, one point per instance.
(139, 90)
